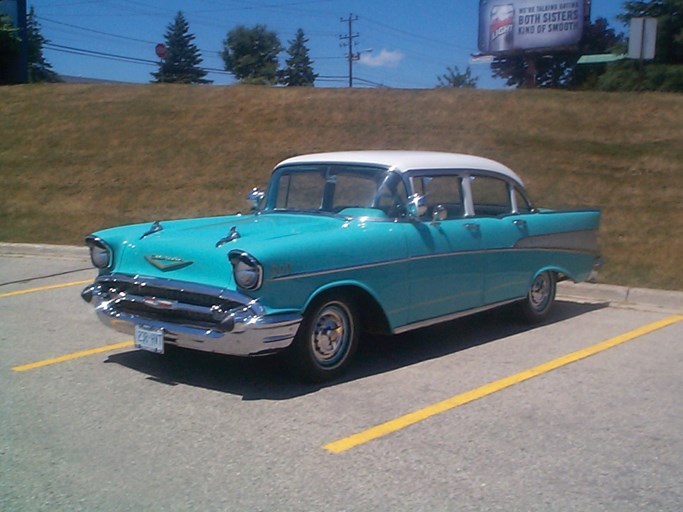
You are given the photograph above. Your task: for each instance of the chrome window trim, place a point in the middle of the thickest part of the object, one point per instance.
(466, 190)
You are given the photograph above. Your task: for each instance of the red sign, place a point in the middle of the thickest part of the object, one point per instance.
(161, 50)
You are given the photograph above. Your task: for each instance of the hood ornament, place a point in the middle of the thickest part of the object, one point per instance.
(166, 263)
(156, 227)
(233, 235)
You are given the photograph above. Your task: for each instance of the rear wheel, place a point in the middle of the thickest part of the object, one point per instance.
(540, 298)
(326, 340)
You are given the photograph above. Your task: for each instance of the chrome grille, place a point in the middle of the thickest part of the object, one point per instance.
(170, 301)
(180, 295)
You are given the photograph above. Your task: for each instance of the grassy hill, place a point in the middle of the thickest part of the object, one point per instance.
(77, 158)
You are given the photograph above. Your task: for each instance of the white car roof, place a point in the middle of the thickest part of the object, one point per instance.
(403, 161)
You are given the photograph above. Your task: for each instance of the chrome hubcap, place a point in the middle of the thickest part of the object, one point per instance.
(331, 334)
(539, 294)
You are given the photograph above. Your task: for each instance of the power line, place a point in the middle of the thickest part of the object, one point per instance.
(126, 38)
(370, 82)
(101, 55)
(50, 21)
(113, 56)
(416, 36)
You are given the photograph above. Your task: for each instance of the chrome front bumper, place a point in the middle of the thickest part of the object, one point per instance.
(192, 316)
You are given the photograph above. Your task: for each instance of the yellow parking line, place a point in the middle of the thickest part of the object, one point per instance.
(74, 355)
(402, 422)
(44, 288)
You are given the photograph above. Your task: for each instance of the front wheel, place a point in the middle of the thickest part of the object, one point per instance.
(540, 298)
(326, 340)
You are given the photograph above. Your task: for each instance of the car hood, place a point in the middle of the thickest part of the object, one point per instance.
(197, 249)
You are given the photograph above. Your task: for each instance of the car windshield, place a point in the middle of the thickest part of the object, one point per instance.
(337, 188)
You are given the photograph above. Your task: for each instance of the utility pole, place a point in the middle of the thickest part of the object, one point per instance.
(18, 68)
(350, 56)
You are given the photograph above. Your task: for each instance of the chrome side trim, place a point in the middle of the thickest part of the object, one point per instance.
(453, 316)
(516, 248)
(341, 269)
(580, 241)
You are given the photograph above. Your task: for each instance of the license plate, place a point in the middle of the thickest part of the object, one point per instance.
(149, 339)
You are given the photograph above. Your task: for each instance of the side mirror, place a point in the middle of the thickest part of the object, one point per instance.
(416, 206)
(255, 198)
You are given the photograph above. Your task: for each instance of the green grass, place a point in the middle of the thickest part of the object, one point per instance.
(77, 158)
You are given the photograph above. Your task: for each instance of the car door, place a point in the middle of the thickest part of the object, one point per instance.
(499, 211)
(445, 270)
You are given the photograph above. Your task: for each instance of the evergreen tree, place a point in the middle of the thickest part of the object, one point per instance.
(454, 79)
(665, 72)
(298, 70)
(669, 14)
(251, 54)
(39, 69)
(555, 69)
(182, 60)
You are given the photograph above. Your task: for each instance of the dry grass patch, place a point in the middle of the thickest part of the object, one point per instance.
(76, 158)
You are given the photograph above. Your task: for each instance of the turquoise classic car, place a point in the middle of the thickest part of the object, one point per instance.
(341, 244)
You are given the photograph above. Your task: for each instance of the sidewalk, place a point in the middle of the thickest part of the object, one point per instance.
(622, 295)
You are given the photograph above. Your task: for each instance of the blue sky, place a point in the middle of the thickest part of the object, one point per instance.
(412, 43)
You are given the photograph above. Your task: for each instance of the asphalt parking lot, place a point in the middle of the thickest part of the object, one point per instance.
(581, 413)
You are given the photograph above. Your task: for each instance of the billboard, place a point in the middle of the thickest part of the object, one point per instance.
(11, 9)
(508, 25)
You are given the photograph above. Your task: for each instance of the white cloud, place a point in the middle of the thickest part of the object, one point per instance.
(384, 59)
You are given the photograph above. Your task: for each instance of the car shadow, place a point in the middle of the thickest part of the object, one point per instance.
(268, 378)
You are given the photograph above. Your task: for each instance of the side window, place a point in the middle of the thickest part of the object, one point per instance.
(445, 191)
(523, 205)
(490, 196)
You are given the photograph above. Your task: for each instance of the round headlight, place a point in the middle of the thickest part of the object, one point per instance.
(100, 253)
(246, 269)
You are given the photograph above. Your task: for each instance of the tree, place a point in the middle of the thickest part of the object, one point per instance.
(557, 68)
(9, 49)
(39, 69)
(251, 54)
(598, 37)
(453, 78)
(665, 72)
(669, 14)
(182, 60)
(298, 69)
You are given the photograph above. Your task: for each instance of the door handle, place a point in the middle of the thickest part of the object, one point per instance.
(472, 227)
(519, 223)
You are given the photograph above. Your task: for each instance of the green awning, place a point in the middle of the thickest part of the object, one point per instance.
(600, 58)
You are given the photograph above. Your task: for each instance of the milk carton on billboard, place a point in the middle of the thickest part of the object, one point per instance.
(506, 25)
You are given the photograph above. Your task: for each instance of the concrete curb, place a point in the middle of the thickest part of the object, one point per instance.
(45, 251)
(614, 294)
(670, 300)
